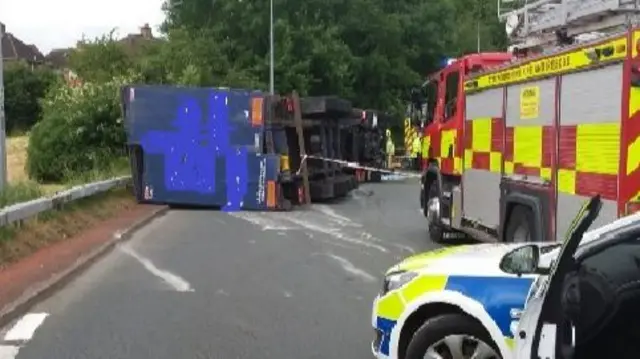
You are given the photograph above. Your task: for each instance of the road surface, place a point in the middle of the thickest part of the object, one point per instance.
(205, 284)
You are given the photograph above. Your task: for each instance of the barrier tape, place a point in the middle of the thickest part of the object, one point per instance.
(356, 165)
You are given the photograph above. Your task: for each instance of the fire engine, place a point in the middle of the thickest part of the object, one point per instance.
(516, 141)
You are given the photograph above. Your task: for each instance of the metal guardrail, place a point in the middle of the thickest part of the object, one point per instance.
(25, 210)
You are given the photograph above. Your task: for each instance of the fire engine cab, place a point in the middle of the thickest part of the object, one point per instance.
(515, 145)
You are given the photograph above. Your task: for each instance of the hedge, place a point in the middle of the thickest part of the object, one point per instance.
(24, 86)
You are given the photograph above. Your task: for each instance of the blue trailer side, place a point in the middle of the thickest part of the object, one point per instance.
(199, 146)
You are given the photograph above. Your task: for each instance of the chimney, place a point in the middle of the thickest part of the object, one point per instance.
(145, 31)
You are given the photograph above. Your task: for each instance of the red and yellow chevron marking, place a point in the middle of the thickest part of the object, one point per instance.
(409, 134)
(589, 155)
(450, 164)
(528, 151)
(630, 183)
(484, 144)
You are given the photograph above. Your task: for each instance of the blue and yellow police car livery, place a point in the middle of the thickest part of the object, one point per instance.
(462, 283)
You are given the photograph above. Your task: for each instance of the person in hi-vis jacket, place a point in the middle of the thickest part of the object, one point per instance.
(390, 148)
(416, 148)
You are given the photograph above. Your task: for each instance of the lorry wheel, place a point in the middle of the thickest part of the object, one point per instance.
(520, 226)
(452, 336)
(431, 210)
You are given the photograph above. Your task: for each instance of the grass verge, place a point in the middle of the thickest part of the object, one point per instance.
(49, 227)
(20, 188)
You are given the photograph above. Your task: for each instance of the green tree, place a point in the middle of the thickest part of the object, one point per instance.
(24, 86)
(371, 51)
(101, 59)
(191, 58)
(478, 21)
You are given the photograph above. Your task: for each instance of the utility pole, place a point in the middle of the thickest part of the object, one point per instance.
(3, 144)
(478, 34)
(479, 13)
(271, 65)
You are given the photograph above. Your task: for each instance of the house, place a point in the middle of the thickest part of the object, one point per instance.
(145, 34)
(14, 49)
(58, 58)
(133, 42)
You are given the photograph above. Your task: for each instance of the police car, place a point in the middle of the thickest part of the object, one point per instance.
(468, 301)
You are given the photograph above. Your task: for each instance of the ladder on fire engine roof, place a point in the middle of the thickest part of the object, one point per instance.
(547, 24)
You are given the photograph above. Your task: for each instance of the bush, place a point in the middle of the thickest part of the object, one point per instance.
(81, 130)
(24, 87)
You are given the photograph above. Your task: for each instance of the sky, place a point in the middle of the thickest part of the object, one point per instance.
(51, 24)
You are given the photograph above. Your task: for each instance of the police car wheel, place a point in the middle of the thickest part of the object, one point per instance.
(452, 336)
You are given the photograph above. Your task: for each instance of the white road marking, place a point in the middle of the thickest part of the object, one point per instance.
(176, 282)
(334, 232)
(287, 294)
(24, 329)
(219, 220)
(324, 209)
(277, 222)
(321, 219)
(350, 268)
(8, 351)
(222, 292)
(405, 248)
(260, 219)
(368, 236)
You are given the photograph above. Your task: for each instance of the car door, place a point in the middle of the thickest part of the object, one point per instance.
(544, 331)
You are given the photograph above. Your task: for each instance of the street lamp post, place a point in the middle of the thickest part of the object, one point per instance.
(271, 65)
(3, 146)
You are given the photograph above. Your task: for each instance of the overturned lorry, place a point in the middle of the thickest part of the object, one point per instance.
(236, 149)
(364, 144)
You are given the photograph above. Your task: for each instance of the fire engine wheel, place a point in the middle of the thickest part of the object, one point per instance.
(432, 211)
(520, 226)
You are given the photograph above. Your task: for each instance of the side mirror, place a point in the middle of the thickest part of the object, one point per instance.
(522, 260)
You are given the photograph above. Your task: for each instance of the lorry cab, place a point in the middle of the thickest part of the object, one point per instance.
(441, 101)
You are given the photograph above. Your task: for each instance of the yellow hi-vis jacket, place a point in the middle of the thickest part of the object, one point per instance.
(415, 147)
(425, 146)
(390, 148)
